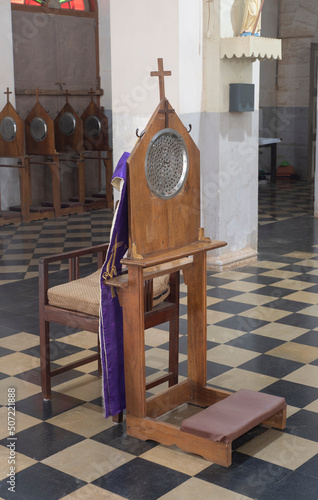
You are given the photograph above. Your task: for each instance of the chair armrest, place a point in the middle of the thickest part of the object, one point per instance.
(73, 253)
(74, 260)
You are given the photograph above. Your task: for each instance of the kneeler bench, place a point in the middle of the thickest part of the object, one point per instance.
(230, 418)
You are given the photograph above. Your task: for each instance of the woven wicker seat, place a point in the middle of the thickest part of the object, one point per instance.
(83, 295)
(76, 304)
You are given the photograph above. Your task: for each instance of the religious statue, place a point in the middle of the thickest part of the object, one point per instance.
(251, 25)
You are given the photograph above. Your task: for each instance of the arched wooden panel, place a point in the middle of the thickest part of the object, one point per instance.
(158, 223)
(11, 133)
(95, 128)
(68, 127)
(39, 132)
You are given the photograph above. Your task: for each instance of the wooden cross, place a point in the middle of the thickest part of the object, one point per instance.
(166, 112)
(91, 93)
(7, 92)
(161, 74)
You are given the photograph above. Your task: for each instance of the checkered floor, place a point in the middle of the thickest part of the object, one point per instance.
(284, 200)
(262, 335)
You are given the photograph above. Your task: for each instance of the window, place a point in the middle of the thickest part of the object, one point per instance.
(86, 5)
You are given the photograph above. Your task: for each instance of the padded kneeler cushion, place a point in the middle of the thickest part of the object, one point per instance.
(228, 419)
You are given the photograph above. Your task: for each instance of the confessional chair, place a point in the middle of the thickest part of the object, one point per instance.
(76, 304)
(164, 183)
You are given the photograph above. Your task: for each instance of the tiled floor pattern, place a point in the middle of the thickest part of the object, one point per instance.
(284, 200)
(22, 245)
(262, 335)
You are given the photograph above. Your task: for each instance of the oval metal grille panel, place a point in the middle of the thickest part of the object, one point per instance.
(92, 126)
(38, 129)
(8, 129)
(67, 123)
(166, 164)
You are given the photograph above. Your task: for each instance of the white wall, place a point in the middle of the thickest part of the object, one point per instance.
(9, 178)
(141, 33)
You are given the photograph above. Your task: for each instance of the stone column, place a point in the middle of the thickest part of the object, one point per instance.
(228, 144)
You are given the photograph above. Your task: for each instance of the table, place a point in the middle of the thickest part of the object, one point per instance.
(264, 142)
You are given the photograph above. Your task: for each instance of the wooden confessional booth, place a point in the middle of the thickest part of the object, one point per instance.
(12, 145)
(40, 146)
(165, 236)
(68, 128)
(96, 145)
(81, 141)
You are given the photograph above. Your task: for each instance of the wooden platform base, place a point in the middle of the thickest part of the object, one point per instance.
(65, 208)
(35, 212)
(9, 217)
(92, 202)
(151, 427)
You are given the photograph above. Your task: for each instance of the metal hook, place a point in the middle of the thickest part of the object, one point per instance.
(190, 128)
(140, 135)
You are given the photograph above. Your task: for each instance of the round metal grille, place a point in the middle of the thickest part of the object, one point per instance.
(166, 164)
(92, 126)
(8, 129)
(38, 129)
(67, 123)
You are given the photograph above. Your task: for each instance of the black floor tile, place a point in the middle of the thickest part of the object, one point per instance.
(33, 376)
(36, 407)
(5, 352)
(312, 289)
(246, 476)
(23, 323)
(287, 305)
(215, 281)
(5, 331)
(274, 291)
(117, 437)
(271, 366)
(308, 338)
(242, 324)
(261, 280)
(183, 326)
(43, 440)
(295, 486)
(310, 468)
(300, 320)
(141, 480)
(58, 350)
(304, 424)
(307, 278)
(216, 369)
(222, 293)
(40, 482)
(230, 307)
(254, 342)
(295, 394)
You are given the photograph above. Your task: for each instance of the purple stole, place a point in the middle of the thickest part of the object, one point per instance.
(111, 316)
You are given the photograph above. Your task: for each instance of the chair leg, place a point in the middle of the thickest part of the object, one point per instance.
(117, 419)
(45, 359)
(174, 329)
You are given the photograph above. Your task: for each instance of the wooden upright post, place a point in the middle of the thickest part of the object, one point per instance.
(134, 343)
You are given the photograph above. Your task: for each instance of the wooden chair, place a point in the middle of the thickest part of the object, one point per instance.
(64, 304)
